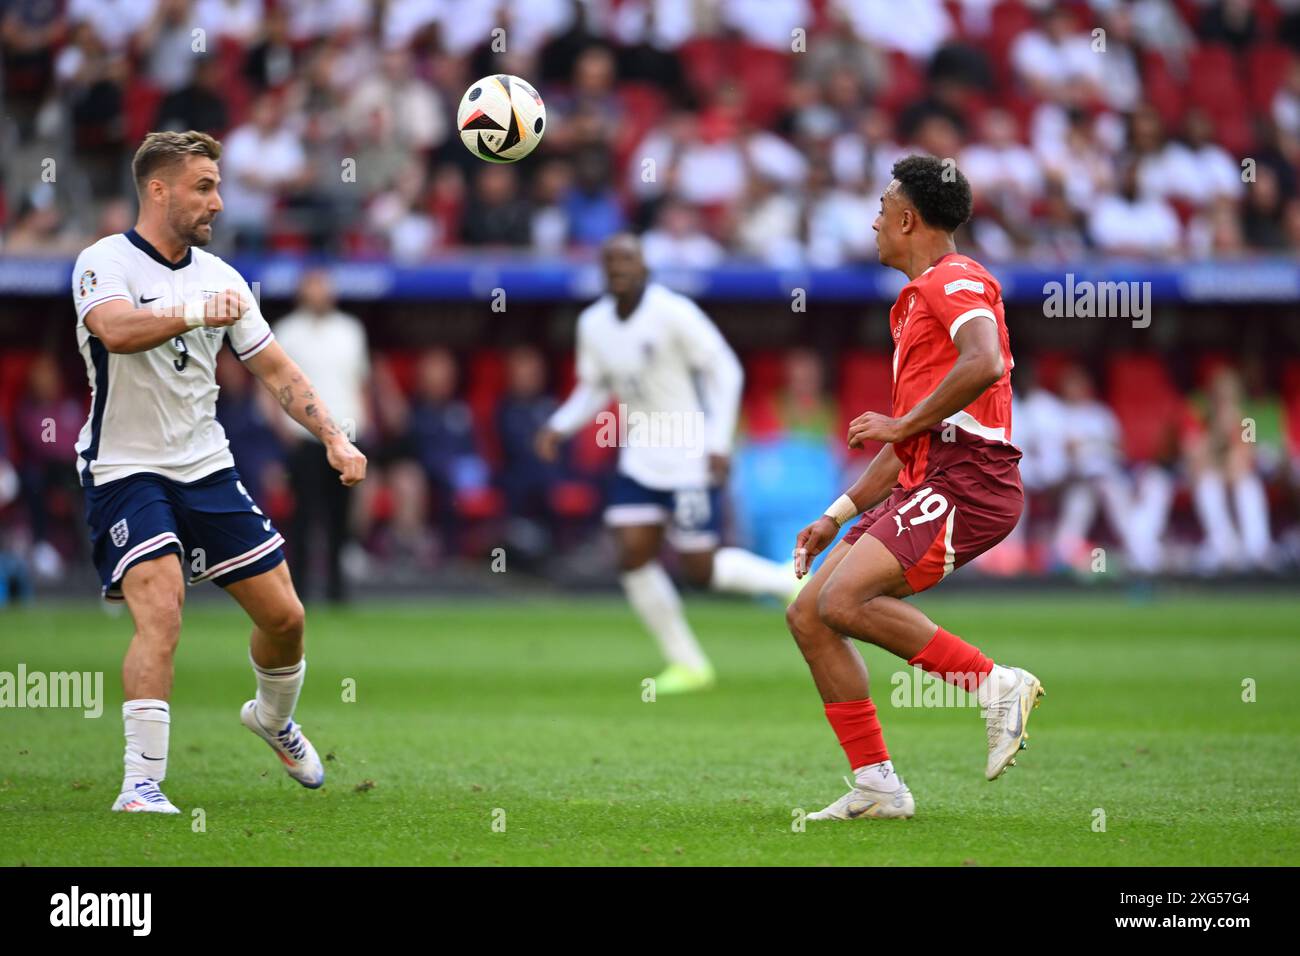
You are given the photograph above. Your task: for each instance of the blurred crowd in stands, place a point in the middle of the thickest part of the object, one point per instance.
(756, 128)
(753, 129)
(1198, 476)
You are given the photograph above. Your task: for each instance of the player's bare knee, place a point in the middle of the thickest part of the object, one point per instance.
(840, 610)
(158, 620)
(285, 624)
(698, 570)
(802, 620)
(630, 559)
(796, 620)
(829, 604)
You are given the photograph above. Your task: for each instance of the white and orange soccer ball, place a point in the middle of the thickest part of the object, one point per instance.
(501, 118)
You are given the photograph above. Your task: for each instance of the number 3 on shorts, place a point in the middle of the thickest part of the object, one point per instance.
(244, 491)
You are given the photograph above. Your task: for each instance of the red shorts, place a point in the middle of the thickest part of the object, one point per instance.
(970, 500)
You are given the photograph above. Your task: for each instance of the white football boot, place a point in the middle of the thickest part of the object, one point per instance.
(1006, 717)
(290, 745)
(144, 797)
(863, 802)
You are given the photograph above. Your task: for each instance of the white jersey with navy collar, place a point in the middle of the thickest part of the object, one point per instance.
(155, 411)
(667, 362)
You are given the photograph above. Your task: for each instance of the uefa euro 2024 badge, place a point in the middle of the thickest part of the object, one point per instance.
(88, 282)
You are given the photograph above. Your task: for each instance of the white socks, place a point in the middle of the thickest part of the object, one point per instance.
(878, 776)
(277, 693)
(655, 600)
(1251, 502)
(1210, 495)
(743, 572)
(148, 723)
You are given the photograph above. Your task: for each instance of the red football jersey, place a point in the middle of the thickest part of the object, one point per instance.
(924, 321)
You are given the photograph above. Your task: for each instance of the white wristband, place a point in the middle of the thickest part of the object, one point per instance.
(842, 510)
(194, 314)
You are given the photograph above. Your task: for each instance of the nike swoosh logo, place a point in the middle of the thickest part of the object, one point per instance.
(147, 757)
(857, 813)
(143, 300)
(1015, 731)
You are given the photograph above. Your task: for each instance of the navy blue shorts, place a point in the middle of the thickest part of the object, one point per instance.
(213, 526)
(694, 515)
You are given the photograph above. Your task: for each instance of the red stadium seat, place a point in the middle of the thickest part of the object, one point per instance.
(1010, 18)
(1267, 16)
(587, 457)
(643, 106)
(1209, 363)
(575, 499)
(278, 502)
(906, 82)
(234, 87)
(1234, 132)
(1151, 411)
(1048, 366)
(764, 75)
(866, 385)
(486, 383)
(382, 507)
(565, 375)
(480, 504)
(1163, 90)
(590, 457)
(402, 366)
(707, 62)
(764, 371)
(821, 18)
(1291, 404)
(14, 366)
(1214, 80)
(1190, 11)
(142, 100)
(1266, 69)
(764, 375)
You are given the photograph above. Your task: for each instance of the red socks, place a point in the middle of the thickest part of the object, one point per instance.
(854, 721)
(951, 658)
(858, 730)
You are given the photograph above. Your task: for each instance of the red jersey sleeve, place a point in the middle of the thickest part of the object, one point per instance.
(957, 296)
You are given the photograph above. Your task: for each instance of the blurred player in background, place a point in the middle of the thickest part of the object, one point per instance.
(330, 348)
(163, 498)
(944, 489)
(659, 355)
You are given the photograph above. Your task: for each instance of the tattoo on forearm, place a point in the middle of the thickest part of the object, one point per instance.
(306, 399)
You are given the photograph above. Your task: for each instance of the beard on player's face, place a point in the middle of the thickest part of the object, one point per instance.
(189, 227)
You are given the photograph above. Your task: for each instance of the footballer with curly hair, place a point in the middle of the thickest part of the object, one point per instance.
(944, 488)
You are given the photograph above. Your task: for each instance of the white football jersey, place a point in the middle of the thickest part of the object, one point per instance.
(675, 378)
(155, 411)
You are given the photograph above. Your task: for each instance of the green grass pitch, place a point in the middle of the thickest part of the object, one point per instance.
(506, 733)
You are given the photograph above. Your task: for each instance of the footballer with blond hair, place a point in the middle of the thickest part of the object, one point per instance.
(164, 501)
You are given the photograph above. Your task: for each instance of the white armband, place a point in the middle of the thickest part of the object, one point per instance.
(194, 310)
(842, 510)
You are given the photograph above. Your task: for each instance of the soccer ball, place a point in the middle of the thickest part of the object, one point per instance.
(501, 119)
